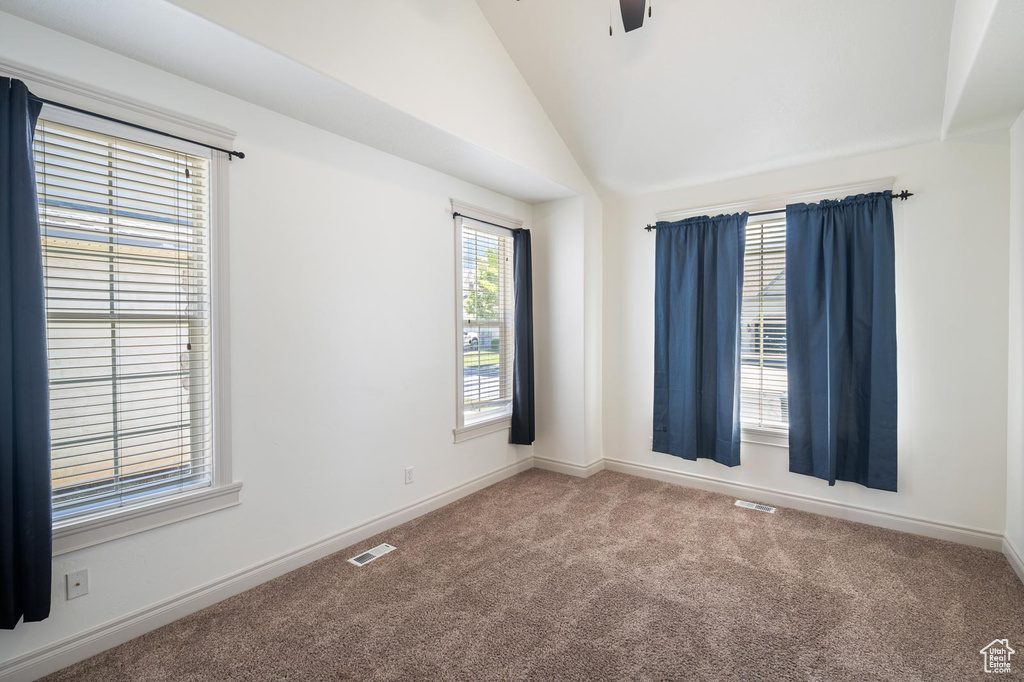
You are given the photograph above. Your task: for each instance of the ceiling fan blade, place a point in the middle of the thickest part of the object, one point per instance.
(632, 13)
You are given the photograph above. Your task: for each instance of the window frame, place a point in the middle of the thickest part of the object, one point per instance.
(761, 434)
(90, 529)
(500, 225)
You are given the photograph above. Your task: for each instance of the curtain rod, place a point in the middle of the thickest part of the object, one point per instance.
(456, 214)
(231, 154)
(902, 196)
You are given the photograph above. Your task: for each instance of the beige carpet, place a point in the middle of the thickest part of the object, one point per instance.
(545, 577)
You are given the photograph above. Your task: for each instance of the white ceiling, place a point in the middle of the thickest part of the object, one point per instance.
(984, 87)
(168, 37)
(709, 89)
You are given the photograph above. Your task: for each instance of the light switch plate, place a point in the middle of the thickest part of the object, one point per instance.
(78, 583)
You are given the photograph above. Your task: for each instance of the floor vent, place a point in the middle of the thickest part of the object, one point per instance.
(369, 555)
(754, 505)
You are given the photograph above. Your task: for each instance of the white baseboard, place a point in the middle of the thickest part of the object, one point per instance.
(1014, 556)
(53, 657)
(964, 535)
(566, 468)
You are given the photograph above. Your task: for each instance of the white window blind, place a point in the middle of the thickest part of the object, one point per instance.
(126, 265)
(764, 401)
(486, 307)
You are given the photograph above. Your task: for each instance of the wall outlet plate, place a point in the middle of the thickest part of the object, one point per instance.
(408, 475)
(77, 583)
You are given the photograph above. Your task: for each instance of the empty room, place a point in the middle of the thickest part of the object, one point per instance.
(511, 340)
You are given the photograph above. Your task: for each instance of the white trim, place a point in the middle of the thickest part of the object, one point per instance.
(1014, 556)
(779, 201)
(462, 430)
(485, 227)
(465, 433)
(477, 213)
(86, 531)
(74, 93)
(776, 439)
(98, 125)
(460, 363)
(964, 535)
(567, 468)
(220, 328)
(65, 652)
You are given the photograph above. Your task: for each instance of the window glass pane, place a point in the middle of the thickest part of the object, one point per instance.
(126, 268)
(487, 342)
(763, 385)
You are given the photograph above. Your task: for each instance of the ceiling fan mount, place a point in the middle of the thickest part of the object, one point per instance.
(632, 14)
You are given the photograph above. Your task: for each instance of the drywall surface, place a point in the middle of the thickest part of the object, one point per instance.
(558, 277)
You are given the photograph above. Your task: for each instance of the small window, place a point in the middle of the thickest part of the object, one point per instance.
(485, 313)
(764, 400)
(126, 257)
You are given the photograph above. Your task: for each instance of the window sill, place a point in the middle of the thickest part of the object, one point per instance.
(84, 532)
(778, 439)
(482, 428)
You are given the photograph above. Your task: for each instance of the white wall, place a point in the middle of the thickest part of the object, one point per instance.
(971, 19)
(1015, 402)
(441, 62)
(567, 321)
(593, 328)
(951, 241)
(558, 279)
(343, 366)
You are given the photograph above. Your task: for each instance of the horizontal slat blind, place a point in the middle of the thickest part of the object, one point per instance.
(126, 266)
(764, 401)
(487, 341)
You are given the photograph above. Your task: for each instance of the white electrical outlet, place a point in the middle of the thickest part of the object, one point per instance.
(408, 475)
(78, 583)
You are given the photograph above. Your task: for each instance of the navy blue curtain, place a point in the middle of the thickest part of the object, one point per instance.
(841, 340)
(523, 430)
(24, 393)
(698, 284)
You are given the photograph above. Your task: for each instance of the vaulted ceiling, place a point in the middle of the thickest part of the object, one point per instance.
(717, 88)
(548, 105)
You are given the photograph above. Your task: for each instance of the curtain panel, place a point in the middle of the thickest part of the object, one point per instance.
(841, 340)
(698, 285)
(523, 431)
(25, 521)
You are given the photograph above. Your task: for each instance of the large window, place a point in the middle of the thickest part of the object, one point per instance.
(126, 256)
(485, 309)
(764, 402)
